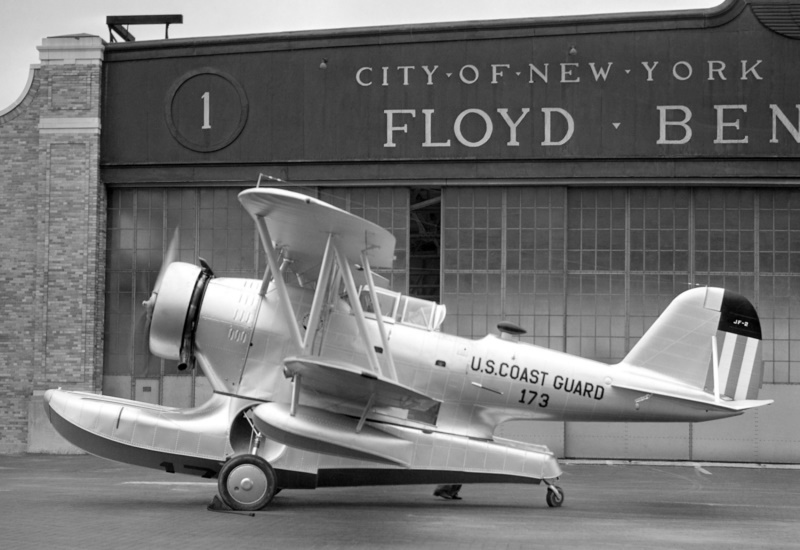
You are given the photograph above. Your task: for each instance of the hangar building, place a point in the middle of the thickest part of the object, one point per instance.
(571, 175)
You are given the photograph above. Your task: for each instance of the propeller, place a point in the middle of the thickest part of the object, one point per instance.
(178, 311)
(149, 305)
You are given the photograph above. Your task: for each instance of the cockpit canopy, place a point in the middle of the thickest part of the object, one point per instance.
(406, 310)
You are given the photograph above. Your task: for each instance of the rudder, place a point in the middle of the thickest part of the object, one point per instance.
(738, 350)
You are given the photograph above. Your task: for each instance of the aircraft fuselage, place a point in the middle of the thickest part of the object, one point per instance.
(481, 383)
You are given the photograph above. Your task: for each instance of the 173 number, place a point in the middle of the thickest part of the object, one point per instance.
(532, 398)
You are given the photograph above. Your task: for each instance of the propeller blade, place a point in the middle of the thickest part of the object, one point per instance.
(149, 305)
(170, 256)
(142, 329)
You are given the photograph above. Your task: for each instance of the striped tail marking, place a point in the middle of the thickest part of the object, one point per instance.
(739, 344)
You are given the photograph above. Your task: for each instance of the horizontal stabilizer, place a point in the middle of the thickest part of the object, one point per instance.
(700, 398)
(320, 431)
(360, 386)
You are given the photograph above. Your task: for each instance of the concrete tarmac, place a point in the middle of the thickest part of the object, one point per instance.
(86, 503)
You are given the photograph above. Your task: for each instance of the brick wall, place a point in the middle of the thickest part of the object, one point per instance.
(52, 231)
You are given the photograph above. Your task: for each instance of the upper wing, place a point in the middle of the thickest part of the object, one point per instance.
(300, 225)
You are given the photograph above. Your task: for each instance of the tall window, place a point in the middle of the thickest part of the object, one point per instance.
(778, 245)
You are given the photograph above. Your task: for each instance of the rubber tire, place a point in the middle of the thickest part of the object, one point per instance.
(554, 501)
(247, 466)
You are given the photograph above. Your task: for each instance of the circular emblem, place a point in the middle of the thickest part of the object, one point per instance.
(206, 110)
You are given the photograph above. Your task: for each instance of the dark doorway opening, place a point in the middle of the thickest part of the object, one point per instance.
(425, 231)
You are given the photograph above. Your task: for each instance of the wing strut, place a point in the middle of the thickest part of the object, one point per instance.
(332, 249)
(265, 282)
(392, 374)
(367, 410)
(280, 286)
(301, 230)
(319, 295)
(350, 285)
(295, 394)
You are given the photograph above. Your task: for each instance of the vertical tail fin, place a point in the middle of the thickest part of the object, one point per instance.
(679, 344)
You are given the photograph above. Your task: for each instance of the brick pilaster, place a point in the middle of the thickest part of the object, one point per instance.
(52, 223)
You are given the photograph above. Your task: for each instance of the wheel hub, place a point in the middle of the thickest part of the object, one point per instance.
(247, 484)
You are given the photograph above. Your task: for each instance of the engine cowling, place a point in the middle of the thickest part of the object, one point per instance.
(175, 313)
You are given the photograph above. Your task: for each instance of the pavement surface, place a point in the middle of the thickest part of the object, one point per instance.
(86, 503)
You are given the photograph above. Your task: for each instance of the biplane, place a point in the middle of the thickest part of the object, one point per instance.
(323, 376)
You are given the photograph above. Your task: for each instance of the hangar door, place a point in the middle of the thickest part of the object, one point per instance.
(587, 271)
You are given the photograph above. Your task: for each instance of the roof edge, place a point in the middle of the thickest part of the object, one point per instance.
(459, 30)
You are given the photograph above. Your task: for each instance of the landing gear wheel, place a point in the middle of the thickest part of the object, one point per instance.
(247, 483)
(555, 496)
